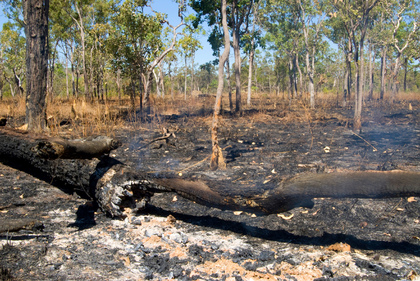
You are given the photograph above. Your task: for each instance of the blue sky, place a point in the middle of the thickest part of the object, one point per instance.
(170, 8)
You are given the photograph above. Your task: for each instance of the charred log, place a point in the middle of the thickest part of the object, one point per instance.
(118, 188)
(20, 150)
(89, 148)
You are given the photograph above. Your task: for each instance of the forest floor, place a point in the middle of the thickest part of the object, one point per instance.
(67, 238)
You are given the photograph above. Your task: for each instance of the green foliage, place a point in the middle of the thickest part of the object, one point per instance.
(135, 37)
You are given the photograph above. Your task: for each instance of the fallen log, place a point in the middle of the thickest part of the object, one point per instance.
(118, 188)
(23, 151)
(53, 148)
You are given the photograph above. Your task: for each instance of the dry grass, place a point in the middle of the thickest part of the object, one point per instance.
(79, 118)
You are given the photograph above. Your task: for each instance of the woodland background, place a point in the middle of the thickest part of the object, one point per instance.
(293, 48)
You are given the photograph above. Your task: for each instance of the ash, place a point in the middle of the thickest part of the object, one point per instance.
(176, 239)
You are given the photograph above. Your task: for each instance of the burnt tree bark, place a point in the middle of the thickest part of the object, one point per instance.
(36, 31)
(117, 188)
(217, 160)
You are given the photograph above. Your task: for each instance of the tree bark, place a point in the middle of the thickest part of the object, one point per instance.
(228, 85)
(371, 62)
(405, 74)
(383, 71)
(36, 31)
(217, 160)
(251, 62)
(237, 54)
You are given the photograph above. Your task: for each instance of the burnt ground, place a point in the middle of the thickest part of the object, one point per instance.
(66, 237)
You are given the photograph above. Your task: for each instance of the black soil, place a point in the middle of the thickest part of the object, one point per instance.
(67, 238)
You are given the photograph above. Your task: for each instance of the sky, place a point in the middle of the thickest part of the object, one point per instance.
(170, 8)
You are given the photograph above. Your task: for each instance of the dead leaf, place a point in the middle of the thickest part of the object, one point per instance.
(411, 199)
(126, 261)
(400, 209)
(174, 199)
(237, 213)
(285, 217)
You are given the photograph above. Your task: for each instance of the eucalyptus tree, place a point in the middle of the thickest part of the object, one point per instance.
(80, 12)
(12, 48)
(252, 39)
(381, 36)
(356, 17)
(281, 21)
(338, 35)
(312, 18)
(217, 160)
(238, 12)
(206, 76)
(405, 20)
(98, 35)
(188, 45)
(32, 15)
(136, 42)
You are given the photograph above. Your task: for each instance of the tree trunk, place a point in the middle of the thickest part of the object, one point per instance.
(217, 160)
(300, 76)
(67, 79)
(185, 78)
(118, 82)
(395, 73)
(237, 53)
(228, 85)
(357, 120)
(192, 73)
(157, 79)
(345, 85)
(371, 62)
(36, 31)
(291, 78)
(251, 62)
(405, 74)
(383, 71)
(80, 24)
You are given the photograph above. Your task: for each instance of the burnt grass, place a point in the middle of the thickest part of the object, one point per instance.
(175, 238)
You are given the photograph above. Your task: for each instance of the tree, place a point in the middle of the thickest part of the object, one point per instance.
(308, 11)
(217, 156)
(13, 57)
(78, 11)
(404, 27)
(189, 44)
(239, 13)
(36, 31)
(136, 42)
(282, 23)
(356, 16)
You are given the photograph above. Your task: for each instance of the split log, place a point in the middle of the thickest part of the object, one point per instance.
(117, 187)
(53, 148)
(23, 151)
